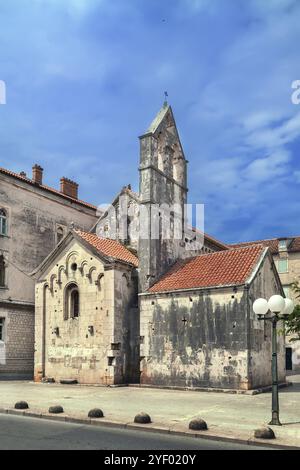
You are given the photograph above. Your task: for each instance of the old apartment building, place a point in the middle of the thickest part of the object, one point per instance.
(114, 306)
(286, 255)
(33, 220)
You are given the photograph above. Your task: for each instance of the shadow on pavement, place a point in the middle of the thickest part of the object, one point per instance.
(294, 378)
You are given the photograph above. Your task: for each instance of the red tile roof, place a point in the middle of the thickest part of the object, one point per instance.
(222, 268)
(108, 247)
(272, 244)
(47, 188)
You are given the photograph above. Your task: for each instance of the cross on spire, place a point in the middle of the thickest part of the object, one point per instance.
(166, 96)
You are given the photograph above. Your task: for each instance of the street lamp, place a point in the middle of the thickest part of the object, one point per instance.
(280, 308)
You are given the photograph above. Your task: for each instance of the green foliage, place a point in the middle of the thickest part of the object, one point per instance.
(292, 324)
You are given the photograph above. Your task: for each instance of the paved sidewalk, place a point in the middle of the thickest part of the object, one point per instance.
(229, 416)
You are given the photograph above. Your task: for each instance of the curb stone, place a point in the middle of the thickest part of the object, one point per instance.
(147, 427)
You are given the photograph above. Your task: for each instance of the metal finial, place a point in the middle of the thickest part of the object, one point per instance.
(166, 96)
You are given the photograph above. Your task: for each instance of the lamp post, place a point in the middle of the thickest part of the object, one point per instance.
(280, 308)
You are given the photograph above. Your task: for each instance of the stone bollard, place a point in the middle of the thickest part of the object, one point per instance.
(96, 413)
(142, 418)
(198, 424)
(68, 381)
(56, 409)
(21, 405)
(264, 433)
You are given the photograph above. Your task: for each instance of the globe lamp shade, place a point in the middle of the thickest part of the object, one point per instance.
(276, 303)
(260, 306)
(289, 307)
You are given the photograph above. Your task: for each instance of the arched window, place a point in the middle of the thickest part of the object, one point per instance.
(59, 234)
(3, 222)
(72, 304)
(2, 271)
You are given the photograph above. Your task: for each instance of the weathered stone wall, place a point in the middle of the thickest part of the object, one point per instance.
(16, 349)
(121, 220)
(209, 338)
(126, 326)
(75, 352)
(163, 182)
(292, 275)
(206, 350)
(33, 218)
(265, 284)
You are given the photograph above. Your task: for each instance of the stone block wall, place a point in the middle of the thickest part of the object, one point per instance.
(16, 349)
(73, 351)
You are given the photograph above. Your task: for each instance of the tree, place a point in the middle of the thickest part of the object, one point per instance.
(292, 324)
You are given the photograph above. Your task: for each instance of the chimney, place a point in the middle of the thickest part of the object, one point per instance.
(69, 187)
(37, 174)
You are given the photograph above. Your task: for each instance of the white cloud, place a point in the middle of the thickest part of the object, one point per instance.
(75, 8)
(265, 169)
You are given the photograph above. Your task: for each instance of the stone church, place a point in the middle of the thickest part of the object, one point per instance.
(120, 302)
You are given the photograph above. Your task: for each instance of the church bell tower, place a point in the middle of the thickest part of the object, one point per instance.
(163, 185)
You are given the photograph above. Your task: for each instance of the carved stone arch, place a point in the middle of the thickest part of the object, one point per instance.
(46, 285)
(61, 270)
(83, 266)
(71, 258)
(90, 273)
(71, 300)
(160, 152)
(98, 281)
(178, 165)
(51, 282)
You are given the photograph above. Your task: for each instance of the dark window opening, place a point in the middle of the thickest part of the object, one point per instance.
(72, 304)
(2, 329)
(288, 359)
(74, 266)
(2, 271)
(75, 303)
(111, 360)
(3, 222)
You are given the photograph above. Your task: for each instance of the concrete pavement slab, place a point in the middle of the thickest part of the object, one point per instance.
(232, 416)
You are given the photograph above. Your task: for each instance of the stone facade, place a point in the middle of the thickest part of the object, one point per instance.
(163, 183)
(16, 346)
(96, 319)
(209, 337)
(124, 333)
(99, 344)
(36, 219)
(286, 255)
(288, 276)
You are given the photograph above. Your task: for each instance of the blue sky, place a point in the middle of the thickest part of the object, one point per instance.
(85, 77)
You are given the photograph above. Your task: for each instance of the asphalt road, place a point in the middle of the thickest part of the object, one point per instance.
(23, 433)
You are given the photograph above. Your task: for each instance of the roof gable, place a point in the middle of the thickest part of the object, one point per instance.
(293, 244)
(219, 269)
(159, 118)
(164, 121)
(106, 249)
(109, 248)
